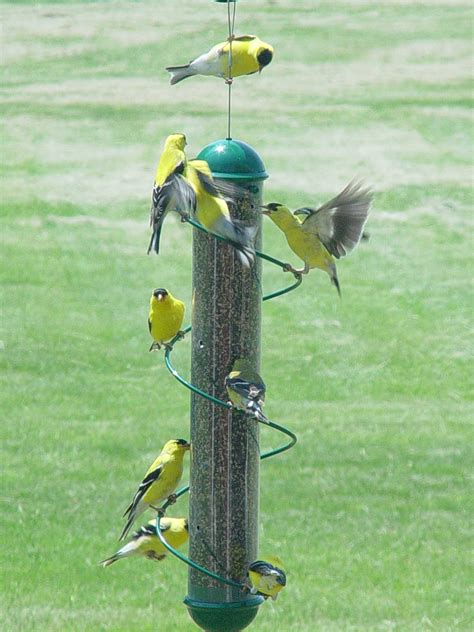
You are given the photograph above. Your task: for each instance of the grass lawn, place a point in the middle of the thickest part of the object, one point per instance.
(371, 510)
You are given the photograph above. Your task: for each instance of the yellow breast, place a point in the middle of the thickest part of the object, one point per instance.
(309, 248)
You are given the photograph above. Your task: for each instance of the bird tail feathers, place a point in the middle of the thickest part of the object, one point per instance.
(155, 241)
(254, 409)
(131, 519)
(178, 73)
(109, 560)
(125, 551)
(334, 279)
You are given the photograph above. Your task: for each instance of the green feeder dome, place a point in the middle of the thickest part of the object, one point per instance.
(233, 160)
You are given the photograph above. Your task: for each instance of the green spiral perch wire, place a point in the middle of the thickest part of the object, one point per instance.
(220, 402)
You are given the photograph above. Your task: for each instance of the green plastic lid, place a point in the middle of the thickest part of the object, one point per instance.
(233, 159)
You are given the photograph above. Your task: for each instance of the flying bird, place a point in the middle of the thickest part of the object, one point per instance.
(161, 480)
(246, 389)
(249, 55)
(165, 317)
(332, 230)
(188, 188)
(145, 542)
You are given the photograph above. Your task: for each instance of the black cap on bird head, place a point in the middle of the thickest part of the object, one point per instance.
(270, 208)
(264, 57)
(183, 443)
(160, 293)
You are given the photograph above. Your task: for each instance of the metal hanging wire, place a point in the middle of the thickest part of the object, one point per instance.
(219, 402)
(229, 79)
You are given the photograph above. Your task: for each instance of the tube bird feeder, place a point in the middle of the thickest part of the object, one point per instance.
(224, 485)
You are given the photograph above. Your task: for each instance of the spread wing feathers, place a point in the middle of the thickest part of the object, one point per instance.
(235, 231)
(175, 194)
(339, 222)
(230, 191)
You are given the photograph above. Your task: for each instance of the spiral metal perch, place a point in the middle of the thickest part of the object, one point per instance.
(264, 455)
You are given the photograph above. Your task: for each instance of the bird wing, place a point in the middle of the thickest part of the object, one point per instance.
(262, 567)
(174, 194)
(145, 530)
(246, 389)
(204, 176)
(144, 486)
(149, 325)
(231, 192)
(339, 222)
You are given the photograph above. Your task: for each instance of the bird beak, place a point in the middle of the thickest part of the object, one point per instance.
(187, 446)
(266, 211)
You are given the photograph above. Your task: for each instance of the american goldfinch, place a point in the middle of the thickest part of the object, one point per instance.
(188, 188)
(146, 543)
(212, 211)
(333, 229)
(165, 317)
(159, 483)
(170, 191)
(249, 55)
(267, 577)
(246, 389)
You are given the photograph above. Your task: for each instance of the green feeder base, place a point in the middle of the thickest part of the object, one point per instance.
(223, 617)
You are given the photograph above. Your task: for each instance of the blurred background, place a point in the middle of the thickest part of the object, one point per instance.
(370, 511)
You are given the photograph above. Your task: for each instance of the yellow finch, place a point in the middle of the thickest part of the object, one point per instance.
(332, 230)
(170, 191)
(165, 317)
(249, 55)
(212, 211)
(188, 187)
(146, 543)
(246, 389)
(159, 483)
(267, 577)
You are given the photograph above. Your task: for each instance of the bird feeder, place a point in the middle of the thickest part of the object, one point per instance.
(224, 485)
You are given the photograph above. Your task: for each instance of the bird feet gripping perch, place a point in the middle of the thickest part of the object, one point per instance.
(171, 499)
(297, 273)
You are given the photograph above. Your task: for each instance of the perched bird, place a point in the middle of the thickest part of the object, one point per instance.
(159, 483)
(145, 541)
(332, 230)
(246, 389)
(267, 577)
(188, 187)
(170, 191)
(165, 317)
(249, 55)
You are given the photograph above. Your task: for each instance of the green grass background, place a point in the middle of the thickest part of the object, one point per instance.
(371, 510)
